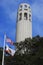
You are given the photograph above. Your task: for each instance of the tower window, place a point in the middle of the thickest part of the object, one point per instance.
(25, 9)
(25, 5)
(20, 6)
(29, 7)
(20, 10)
(20, 16)
(25, 16)
(29, 17)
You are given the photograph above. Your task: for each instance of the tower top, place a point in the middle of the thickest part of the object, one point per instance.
(24, 6)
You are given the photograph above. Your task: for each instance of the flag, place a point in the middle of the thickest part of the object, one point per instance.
(9, 50)
(9, 40)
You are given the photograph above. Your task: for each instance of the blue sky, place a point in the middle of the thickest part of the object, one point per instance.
(8, 16)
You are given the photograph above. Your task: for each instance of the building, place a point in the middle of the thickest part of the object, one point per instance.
(24, 22)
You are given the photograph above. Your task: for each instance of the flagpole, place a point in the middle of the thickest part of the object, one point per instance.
(3, 49)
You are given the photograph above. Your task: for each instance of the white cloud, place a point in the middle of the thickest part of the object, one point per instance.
(10, 10)
(13, 15)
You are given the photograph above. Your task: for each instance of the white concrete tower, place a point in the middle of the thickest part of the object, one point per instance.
(24, 22)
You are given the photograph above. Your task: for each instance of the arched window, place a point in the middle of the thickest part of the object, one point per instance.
(25, 16)
(29, 7)
(25, 6)
(20, 16)
(20, 6)
(29, 17)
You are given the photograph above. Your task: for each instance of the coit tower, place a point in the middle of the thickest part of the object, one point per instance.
(24, 22)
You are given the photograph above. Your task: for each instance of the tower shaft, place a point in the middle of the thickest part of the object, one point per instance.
(24, 22)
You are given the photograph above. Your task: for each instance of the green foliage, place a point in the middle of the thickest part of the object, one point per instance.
(1, 55)
(32, 57)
